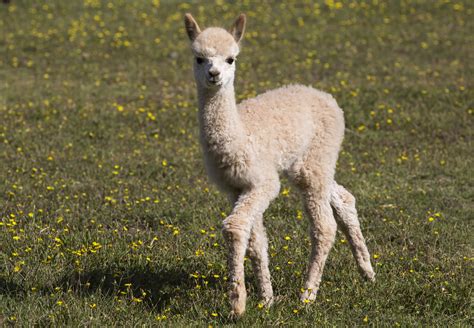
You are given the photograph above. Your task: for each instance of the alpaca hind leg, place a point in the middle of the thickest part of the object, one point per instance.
(237, 229)
(343, 204)
(258, 251)
(322, 232)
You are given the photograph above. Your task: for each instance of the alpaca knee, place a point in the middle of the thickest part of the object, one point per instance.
(236, 229)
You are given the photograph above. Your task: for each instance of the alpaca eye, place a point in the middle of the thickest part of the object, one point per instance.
(199, 60)
(230, 60)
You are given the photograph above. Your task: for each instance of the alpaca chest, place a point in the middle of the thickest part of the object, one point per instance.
(229, 169)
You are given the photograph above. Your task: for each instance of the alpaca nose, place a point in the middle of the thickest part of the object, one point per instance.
(214, 72)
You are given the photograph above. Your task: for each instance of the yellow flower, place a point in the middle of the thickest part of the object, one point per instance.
(199, 252)
(299, 214)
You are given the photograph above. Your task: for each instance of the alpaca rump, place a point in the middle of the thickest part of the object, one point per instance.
(295, 130)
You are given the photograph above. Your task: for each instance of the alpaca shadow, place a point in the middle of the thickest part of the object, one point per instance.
(11, 289)
(155, 287)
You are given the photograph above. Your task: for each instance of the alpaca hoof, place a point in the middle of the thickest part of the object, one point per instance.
(308, 296)
(266, 296)
(238, 298)
(366, 271)
(368, 275)
(237, 310)
(268, 301)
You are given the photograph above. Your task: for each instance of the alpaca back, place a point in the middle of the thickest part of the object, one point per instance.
(283, 123)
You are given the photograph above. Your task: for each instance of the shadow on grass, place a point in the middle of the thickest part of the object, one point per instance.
(11, 289)
(155, 287)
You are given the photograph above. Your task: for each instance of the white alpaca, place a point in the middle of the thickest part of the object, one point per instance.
(296, 130)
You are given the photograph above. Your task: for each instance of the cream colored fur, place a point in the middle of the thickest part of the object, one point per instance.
(295, 130)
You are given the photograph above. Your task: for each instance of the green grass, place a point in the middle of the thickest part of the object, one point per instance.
(106, 214)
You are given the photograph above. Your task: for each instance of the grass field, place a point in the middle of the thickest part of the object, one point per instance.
(107, 218)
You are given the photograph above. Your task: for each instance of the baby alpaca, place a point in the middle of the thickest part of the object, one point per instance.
(296, 130)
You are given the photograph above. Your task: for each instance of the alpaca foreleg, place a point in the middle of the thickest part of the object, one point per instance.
(236, 232)
(343, 203)
(258, 251)
(237, 229)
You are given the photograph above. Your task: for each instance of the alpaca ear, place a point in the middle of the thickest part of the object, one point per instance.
(237, 30)
(192, 28)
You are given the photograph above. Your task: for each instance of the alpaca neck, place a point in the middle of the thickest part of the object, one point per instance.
(220, 123)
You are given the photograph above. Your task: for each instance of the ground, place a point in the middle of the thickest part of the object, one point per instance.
(107, 218)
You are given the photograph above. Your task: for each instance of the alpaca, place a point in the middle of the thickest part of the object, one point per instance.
(295, 130)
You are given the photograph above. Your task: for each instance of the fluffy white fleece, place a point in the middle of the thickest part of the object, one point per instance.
(295, 130)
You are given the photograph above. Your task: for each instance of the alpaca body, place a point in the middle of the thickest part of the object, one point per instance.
(294, 129)
(267, 139)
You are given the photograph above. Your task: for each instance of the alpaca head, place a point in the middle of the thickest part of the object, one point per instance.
(215, 51)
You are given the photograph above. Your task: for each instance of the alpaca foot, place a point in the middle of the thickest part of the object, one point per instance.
(308, 295)
(266, 295)
(267, 301)
(238, 298)
(367, 273)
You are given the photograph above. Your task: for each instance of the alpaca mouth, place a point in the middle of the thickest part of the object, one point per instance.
(214, 82)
